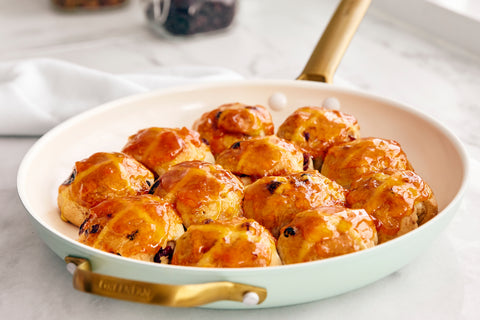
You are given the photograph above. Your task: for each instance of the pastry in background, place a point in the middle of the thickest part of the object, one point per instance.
(160, 148)
(142, 227)
(101, 176)
(263, 156)
(274, 201)
(347, 162)
(326, 232)
(316, 129)
(233, 122)
(201, 191)
(399, 201)
(234, 243)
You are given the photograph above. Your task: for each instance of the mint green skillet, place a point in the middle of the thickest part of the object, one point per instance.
(436, 154)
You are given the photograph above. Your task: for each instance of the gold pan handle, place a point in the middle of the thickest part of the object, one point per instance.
(331, 47)
(190, 295)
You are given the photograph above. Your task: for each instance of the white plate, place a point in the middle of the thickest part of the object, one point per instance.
(436, 154)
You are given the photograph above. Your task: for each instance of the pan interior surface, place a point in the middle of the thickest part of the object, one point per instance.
(434, 152)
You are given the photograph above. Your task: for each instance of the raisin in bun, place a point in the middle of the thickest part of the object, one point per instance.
(316, 129)
(160, 148)
(101, 176)
(233, 122)
(200, 191)
(263, 156)
(349, 161)
(399, 201)
(274, 201)
(326, 232)
(140, 227)
(235, 243)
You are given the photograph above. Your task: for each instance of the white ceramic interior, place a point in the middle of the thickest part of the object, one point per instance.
(435, 153)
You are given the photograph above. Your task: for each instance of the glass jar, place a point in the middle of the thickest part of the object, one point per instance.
(189, 17)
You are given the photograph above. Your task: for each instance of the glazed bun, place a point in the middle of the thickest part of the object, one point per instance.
(399, 201)
(326, 232)
(233, 122)
(347, 162)
(101, 176)
(274, 201)
(316, 129)
(262, 156)
(235, 243)
(201, 191)
(141, 227)
(160, 148)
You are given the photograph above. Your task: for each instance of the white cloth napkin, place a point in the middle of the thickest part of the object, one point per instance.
(37, 94)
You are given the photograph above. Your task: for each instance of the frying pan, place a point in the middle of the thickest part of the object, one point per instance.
(436, 154)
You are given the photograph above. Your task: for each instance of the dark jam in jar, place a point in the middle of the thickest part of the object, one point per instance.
(188, 17)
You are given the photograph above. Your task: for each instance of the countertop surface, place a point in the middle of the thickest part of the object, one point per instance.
(272, 40)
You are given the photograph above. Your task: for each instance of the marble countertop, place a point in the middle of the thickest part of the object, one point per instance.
(269, 39)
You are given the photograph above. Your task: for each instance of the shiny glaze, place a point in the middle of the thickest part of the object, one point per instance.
(349, 161)
(262, 156)
(101, 176)
(325, 232)
(160, 148)
(316, 129)
(200, 191)
(234, 243)
(135, 227)
(304, 209)
(233, 122)
(274, 201)
(392, 198)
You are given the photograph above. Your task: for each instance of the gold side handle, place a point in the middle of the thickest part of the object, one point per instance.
(331, 47)
(189, 295)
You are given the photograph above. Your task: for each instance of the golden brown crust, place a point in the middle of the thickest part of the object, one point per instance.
(274, 201)
(135, 227)
(262, 156)
(325, 232)
(160, 148)
(235, 243)
(101, 176)
(233, 122)
(316, 129)
(348, 162)
(201, 191)
(398, 200)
